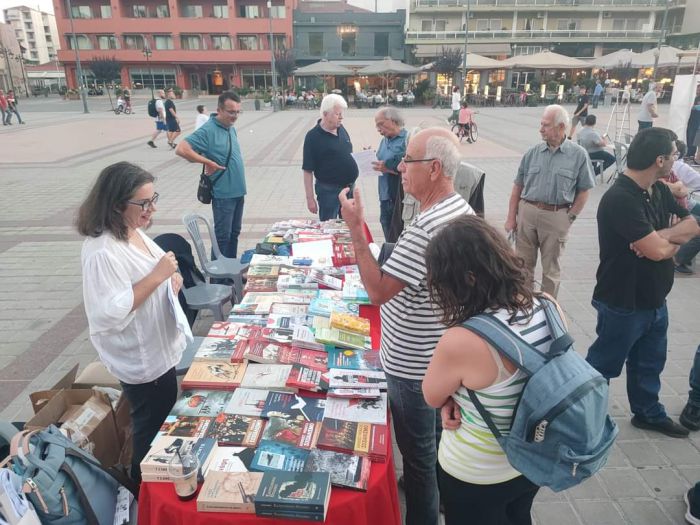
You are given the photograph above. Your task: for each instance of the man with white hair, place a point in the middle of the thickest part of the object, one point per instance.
(549, 191)
(647, 109)
(328, 159)
(410, 324)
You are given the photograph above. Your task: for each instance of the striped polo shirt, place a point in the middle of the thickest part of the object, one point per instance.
(410, 323)
(471, 453)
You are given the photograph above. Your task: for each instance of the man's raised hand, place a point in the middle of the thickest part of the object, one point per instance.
(351, 209)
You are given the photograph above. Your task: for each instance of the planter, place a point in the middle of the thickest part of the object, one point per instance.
(257, 104)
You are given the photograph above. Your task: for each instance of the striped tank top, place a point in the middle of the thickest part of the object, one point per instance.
(471, 453)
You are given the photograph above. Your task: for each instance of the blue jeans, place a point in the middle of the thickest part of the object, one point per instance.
(386, 211)
(637, 337)
(694, 394)
(228, 216)
(328, 202)
(687, 252)
(644, 125)
(418, 427)
(607, 158)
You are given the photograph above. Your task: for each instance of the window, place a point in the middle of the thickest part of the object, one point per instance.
(221, 42)
(191, 42)
(156, 78)
(316, 44)
(625, 24)
(566, 24)
(248, 42)
(81, 11)
(440, 25)
(139, 11)
(162, 11)
(82, 42)
(163, 42)
(426, 25)
(34, 55)
(381, 44)
(220, 11)
(192, 11)
(485, 24)
(249, 11)
(279, 41)
(254, 78)
(278, 11)
(28, 25)
(134, 42)
(30, 35)
(106, 11)
(107, 42)
(347, 44)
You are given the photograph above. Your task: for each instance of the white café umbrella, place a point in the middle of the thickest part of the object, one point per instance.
(619, 58)
(324, 69)
(475, 61)
(668, 57)
(387, 67)
(544, 60)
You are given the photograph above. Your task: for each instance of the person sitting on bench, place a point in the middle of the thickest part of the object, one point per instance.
(594, 143)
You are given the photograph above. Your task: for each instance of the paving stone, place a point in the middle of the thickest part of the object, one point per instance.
(642, 454)
(681, 452)
(598, 512)
(624, 483)
(665, 483)
(617, 458)
(555, 513)
(645, 513)
(546, 495)
(675, 509)
(592, 488)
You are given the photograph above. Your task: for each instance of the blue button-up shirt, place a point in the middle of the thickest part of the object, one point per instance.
(391, 151)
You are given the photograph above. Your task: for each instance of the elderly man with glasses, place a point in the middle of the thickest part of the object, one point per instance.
(410, 324)
(215, 145)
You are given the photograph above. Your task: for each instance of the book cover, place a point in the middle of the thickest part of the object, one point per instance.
(354, 393)
(273, 455)
(346, 470)
(350, 323)
(294, 406)
(343, 378)
(216, 349)
(364, 439)
(264, 270)
(214, 374)
(236, 430)
(247, 402)
(260, 284)
(358, 410)
(288, 322)
(295, 281)
(294, 491)
(248, 318)
(342, 338)
(300, 433)
(353, 359)
(263, 351)
(260, 259)
(162, 450)
(201, 403)
(319, 251)
(185, 426)
(229, 492)
(304, 337)
(289, 309)
(312, 358)
(231, 459)
(277, 335)
(267, 377)
(224, 329)
(304, 378)
(325, 279)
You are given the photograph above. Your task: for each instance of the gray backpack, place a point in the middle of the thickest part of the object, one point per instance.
(58, 476)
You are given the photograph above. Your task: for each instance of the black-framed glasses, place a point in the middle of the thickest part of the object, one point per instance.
(146, 203)
(409, 161)
(233, 112)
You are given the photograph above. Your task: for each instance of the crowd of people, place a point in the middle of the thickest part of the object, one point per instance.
(445, 266)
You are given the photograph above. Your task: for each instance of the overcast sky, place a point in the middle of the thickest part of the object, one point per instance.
(47, 5)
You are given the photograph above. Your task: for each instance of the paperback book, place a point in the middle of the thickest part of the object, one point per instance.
(303, 356)
(164, 448)
(260, 259)
(302, 495)
(185, 426)
(344, 378)
(248, 318)
(224, 329)
(350, 323)
(294, 406)
(325, 307)
(247, 402)
(263, 351)
(216, 348)
(229, 492)
(342, 338)
(353, 359)
(273, 455)
(354, 393)
(363, 439)
(325, 279)
(302, 434)
(289, 309)
(201, 403)
(260, 284)
(264, 270)
(216, 375)
(305, 378)
(236, 430)
(267, 377)
(304, 337)
(231, 459)
(358, 410)
(346, 470)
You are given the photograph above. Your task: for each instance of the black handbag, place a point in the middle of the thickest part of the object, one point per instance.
(206, 182)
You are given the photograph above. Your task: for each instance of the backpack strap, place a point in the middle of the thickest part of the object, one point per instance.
(116, 474)
(562, 339)
(90, 515)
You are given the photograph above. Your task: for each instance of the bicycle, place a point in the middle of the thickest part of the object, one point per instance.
(471, 133)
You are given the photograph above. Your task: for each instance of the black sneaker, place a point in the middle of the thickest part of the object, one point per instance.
(666, 426)
(692, 515)
(151, 143)
(684, 269)
(690, 417)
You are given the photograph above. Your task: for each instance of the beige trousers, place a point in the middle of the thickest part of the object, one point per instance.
(546, 231)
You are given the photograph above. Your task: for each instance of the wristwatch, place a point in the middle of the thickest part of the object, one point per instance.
(572, 217)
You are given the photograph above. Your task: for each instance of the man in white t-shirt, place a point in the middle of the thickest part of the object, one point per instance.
(160, 119)
(410, 325)
(648, 110)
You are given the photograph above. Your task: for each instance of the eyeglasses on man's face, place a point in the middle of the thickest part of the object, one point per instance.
(408, 160)
(231, 112)
(146, 204)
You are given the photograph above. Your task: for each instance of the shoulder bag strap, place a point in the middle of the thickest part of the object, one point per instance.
(115, 473)
(228, 159)
(90, 515)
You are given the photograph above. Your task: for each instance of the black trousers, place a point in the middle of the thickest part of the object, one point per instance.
(507, 503)
(150, 405)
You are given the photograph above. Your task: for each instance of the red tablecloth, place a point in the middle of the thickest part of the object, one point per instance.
(158, 504)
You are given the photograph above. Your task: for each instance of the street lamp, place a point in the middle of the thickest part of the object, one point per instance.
(466, 40)
(662, 36)
(79, 69)
(272, 61)
(7, 54)
(20, 59)
(147, 53)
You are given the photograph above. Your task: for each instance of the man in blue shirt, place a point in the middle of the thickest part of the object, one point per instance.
(215, 145)
(597, 92)
(392, 148)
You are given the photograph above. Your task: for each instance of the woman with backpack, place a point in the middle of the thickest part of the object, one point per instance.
(130, 289)
(473, 270)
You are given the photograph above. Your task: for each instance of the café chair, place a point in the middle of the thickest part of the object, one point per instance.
(209, 297)
(220, 267)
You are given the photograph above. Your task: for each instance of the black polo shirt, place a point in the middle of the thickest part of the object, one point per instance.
(626, 214)
(329, 156)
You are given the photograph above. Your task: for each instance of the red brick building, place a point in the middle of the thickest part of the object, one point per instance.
(209, 45)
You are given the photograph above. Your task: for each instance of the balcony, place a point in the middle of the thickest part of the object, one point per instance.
(461, 5)
(171, 56)
(478, 37)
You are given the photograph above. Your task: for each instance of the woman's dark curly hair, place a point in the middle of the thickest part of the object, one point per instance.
(102, 211)
(472, 268)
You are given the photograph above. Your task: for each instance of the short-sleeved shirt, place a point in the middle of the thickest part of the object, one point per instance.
(456, 101)
(212, 141)
(626, 214)
(589, 139)
(465, 116)
(582, 101)
(411, 325)
(648, 100)
(329, 156)
(391, 151)
(555, 177)
(160, 107)
(169, 117)
(598, 89)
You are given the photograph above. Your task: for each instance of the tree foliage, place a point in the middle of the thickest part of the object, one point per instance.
(106, 69)
(284, 64)
(449, 62)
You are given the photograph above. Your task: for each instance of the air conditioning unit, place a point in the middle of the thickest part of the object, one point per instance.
(540, 15)
(607, 14)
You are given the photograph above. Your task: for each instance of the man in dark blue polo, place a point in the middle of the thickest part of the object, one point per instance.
(215, 145)
(328, 159)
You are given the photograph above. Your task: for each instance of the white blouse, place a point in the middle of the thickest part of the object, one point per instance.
(140, 346)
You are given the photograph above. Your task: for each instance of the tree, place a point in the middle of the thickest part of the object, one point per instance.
(449, 62)
(284, 65)
(106, 69)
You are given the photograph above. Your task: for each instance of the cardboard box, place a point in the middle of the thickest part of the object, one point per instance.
(89, 411)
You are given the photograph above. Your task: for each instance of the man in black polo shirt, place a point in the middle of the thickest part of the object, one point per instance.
(640, 228)
(328, 159)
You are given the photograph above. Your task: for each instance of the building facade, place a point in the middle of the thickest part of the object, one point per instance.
(11, 71)
(210, 45)
(36, 32)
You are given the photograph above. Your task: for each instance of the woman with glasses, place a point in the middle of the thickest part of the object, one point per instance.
(129, 288)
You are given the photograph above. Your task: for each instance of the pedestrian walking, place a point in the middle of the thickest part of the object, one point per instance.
(159, 109)
(12, 108)
(172, 121)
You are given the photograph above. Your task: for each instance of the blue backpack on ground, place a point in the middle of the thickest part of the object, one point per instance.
(561, 433)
